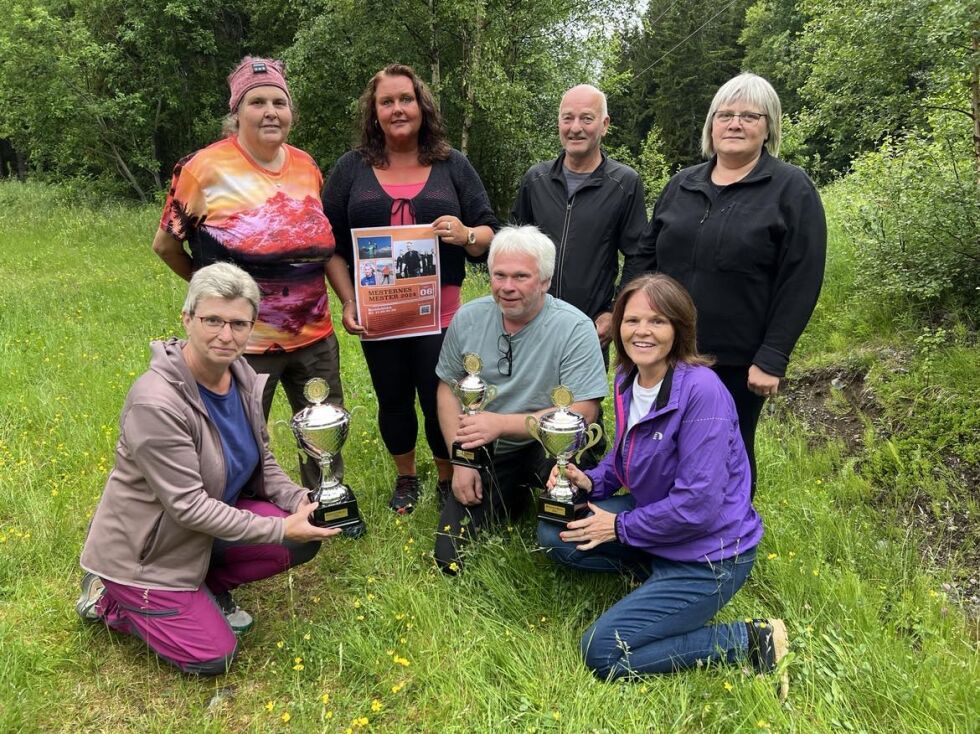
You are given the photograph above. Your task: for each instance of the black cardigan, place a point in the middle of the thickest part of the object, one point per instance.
(353, 198)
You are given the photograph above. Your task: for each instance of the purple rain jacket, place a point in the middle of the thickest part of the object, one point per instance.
(686, 467)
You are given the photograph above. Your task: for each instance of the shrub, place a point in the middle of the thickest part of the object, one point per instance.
(911, 208)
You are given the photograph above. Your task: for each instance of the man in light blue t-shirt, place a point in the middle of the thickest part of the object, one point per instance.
(529, 343)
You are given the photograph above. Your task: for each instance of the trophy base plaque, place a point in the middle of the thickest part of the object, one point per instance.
(560, 512)
(341, 514)
(479, 458)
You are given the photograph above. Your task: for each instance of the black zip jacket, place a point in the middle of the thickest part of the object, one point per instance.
(751, 254)
(607, 215)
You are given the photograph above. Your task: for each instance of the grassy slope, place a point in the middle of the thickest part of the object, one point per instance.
(370, 629)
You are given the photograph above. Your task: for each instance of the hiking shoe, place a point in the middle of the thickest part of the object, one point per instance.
(768, 644)
(92, 591)
(406, 494)
(238, 619)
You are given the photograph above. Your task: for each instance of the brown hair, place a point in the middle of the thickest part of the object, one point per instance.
(433, 145)
(670, 298)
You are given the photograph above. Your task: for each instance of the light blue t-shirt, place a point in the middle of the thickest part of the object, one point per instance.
(558, 347)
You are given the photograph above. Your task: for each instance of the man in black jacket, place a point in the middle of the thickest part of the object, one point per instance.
(590, 205)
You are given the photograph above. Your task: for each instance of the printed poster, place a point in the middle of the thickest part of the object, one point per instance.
(397, 281)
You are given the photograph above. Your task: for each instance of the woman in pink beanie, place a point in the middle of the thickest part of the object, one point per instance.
(253, 200)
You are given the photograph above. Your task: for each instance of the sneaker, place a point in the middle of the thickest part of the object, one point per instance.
(444, 488)
(92, 591)
(238, 619)
(406, 494)
(768, 644)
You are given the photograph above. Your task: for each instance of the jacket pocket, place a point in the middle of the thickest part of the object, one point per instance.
(150, 544)
(744, 242)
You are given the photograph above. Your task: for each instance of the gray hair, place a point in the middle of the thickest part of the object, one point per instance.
(222, 280)
(526, 240)
(756, 91)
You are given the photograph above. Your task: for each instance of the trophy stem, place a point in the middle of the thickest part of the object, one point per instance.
(330, 490)
(563, 488)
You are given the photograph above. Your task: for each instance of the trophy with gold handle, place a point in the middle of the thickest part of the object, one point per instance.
(321, 430)
(563, 433)
(473, 395)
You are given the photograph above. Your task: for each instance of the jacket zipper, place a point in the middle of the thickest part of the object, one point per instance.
(561, 244)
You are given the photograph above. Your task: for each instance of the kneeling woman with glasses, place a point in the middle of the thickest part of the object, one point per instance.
(687, 527)
(196, 505)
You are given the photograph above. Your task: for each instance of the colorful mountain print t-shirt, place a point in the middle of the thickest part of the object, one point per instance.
(269, 223)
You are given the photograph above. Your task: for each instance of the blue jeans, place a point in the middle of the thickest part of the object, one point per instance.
(660, 627)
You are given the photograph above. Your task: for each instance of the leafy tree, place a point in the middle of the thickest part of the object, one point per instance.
(677, 59)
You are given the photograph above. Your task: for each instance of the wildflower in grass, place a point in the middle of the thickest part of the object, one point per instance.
(762, 724)
(556, 715)
(446, 529)
(375, 705)
(397, 687)
(370, 579)
(269, 705)
(329, 714)
(360, 617)
(357, 604)
(772, 556)
(316, 600)
(280, 644)
(325, 698)
(816, 572)
(398, 660)
(285, 717)
(728, 686)
(454, 567)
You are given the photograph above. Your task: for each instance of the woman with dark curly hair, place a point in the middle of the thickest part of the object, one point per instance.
(404, 172)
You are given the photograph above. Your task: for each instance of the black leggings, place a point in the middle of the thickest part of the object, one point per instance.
(748, 406)
(399, 369)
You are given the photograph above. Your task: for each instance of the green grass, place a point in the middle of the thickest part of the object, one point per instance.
(876, 645)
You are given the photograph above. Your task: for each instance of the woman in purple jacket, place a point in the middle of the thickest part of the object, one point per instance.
(687, 527)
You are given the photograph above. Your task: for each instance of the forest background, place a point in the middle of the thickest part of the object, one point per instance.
(870, 459)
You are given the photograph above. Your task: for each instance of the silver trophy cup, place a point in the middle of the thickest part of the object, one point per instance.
(473, 395)
(563, 433)
(321, 431)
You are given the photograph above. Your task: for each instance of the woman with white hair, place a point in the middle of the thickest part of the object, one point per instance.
(196, 504)
(745, 234)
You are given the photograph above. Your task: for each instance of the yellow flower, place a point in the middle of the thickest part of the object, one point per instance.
(762, 724)
(816, 572)
(306, 636)
(325, 698)
(375, 705)
(285, 717)
(772, 556)
(357, 604)
(370, 579)
(270, 705)
(397, 687)
(298, 660)
(728, 686)
(360, 617)
(454, 567)
(280, 644)
(556, 715)
(329, 714)
(298, 666)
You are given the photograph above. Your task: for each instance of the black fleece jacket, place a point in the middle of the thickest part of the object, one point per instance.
(751, 254)
(604, 217)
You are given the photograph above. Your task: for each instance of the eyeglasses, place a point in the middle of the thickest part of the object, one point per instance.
(214, 325)
(747, 118)
(506, 348)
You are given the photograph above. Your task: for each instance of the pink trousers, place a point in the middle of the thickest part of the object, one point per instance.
(187, 628)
